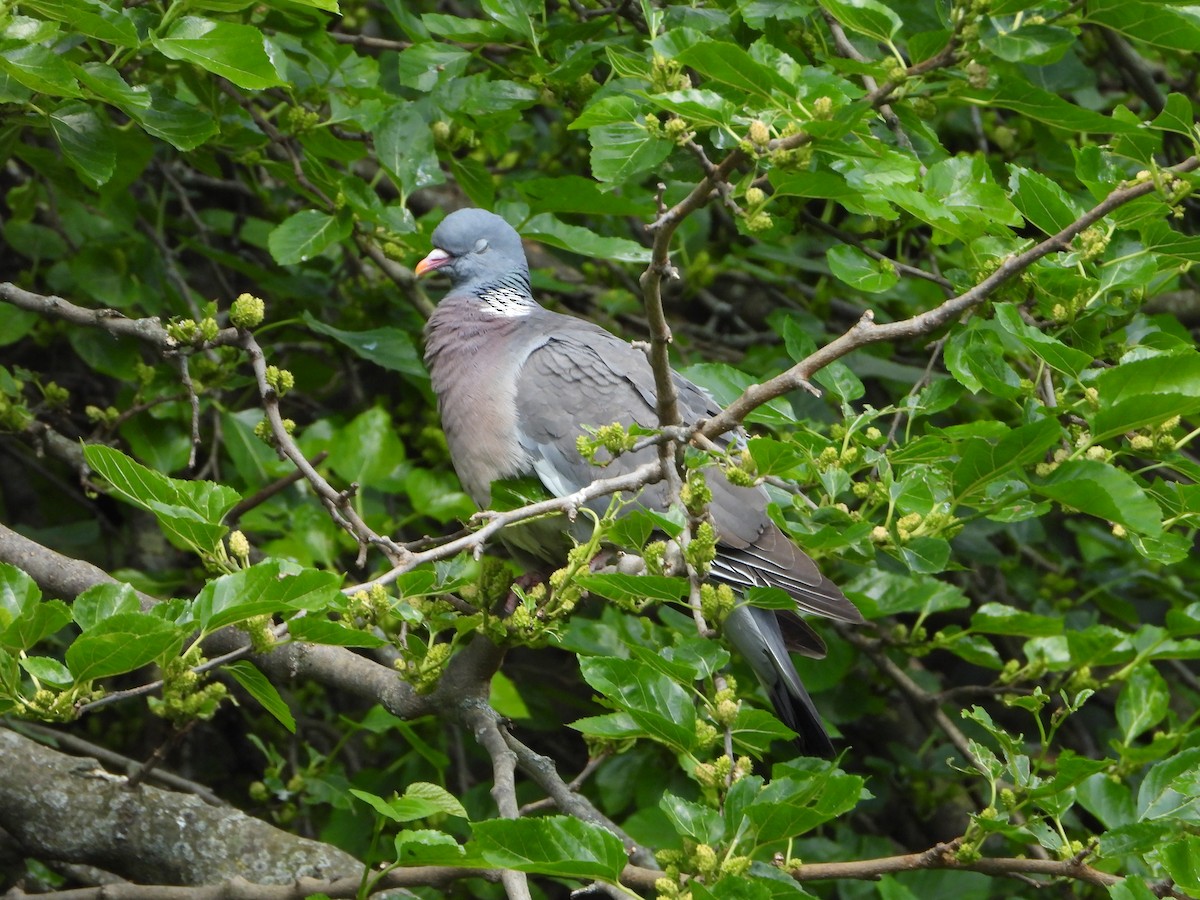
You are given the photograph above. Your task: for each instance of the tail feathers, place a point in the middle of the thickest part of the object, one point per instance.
(757, 636)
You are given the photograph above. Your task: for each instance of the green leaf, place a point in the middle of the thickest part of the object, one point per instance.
(48, 671)
(317, 630)
(772, 457)
(258, 686)
(1143, 702)
(263, 589)
(1030, 43)
(40, 69)
(1148, 21)
(404, 146)
(982, 462)
(422, 66)
(121, 643)
(927, 555)
(517, 17)
(1102, 490)
(878, 593)
(17, 592)
(419, 801)
(660, 708)
(1177, 116)
(1052, 351)
(576, 239)
(561, 846)
(867, 17)
(975, 357)
(1021, 97)
(622, 151)
(1170, 788)
(1145, 392)
(624, 588)
(187, 511)
(1041, 200)
(726, 384)
(391, 348)
(84, 140)
(36, 620)
(729, 64)
(794, 805)
(1181, 859)
(100, 601)
(366, 451)
(695, 821)
(505, 698)
(855, 268)
(180, 124)
(300, 237)
(90, 17)
(996, 618)
(755, 730)
(235, 52)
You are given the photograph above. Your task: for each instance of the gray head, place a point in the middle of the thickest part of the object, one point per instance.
(474, 246)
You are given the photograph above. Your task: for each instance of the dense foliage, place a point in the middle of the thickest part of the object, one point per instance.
(965, 227)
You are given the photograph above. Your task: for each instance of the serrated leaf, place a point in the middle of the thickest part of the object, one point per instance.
(404, 146)
(561, 846)
(623, 588)
(793, 805)
(232, 51)
(550, 230)
(258, 686)
(1143, 701)
(90, 17)
(1144, 392)
(729, 64)
(996, 618)
(317, 630)
(48, 670)
(189, 512)
(1102, 490)
(40, 69)
(391, 348)
(35, 621)
(982, 462)
(302, 236)
(852, 266)
(100, 601)
(121, 643)
(263, 589)
(1052, 351)
(624, 150)
(1042, 201)
(696, 821)
(85, 141)
(659, 706)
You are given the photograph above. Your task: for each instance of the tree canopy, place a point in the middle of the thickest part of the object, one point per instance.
(933, 256)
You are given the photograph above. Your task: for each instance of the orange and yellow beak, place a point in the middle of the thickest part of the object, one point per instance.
(435, 260)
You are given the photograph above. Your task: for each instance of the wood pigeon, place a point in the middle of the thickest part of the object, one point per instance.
(517, 383)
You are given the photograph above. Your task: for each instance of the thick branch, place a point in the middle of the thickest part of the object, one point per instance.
(67, 808)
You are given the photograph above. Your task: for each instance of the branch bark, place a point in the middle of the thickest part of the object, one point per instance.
(68, 808)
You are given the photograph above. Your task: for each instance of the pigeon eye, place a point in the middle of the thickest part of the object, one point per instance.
(481, 245)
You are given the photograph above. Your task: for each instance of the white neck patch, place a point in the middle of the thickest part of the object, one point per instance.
(505, 303)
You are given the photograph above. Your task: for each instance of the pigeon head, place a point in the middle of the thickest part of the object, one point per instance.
(475, 247)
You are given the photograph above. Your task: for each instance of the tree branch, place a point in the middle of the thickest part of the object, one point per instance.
(866, 331)
(942, 856)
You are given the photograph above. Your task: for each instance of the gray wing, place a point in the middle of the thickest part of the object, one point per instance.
(585, 376)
